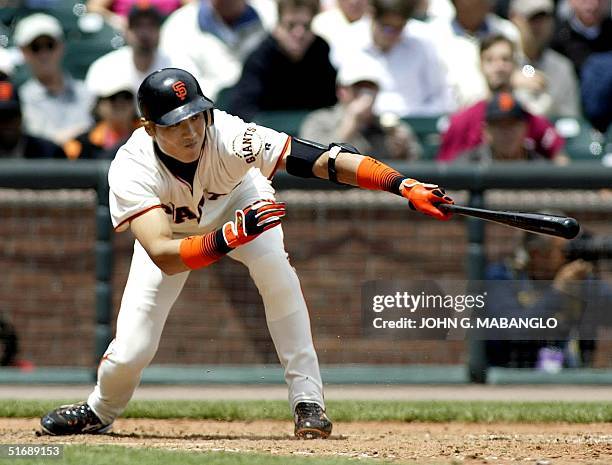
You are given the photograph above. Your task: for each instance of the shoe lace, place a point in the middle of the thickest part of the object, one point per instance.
(308, 409)
(81, 413)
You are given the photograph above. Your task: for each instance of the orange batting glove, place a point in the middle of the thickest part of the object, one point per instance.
(199, 251)
(252, 221)
(425, 198)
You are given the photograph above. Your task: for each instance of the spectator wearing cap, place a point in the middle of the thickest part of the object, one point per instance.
(587, 30)
(550, 86)
(290, 70)
(504, 134)
(116, 119)
(352, 119)
(458, 41)
(140, 57)
(116, 12)
(14, 142)
(465, 130)
(217, 36)
(413, 83)
(55, 105)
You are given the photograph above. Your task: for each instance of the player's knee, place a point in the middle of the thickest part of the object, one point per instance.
(273, 272)
(132, 358)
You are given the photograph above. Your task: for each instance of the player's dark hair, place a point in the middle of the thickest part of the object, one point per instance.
(284, 5)
(403, 8)
(493, 39)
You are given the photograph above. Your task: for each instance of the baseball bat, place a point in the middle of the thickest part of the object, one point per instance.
(553, 225)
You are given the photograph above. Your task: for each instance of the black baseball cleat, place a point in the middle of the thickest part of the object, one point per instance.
(311, 422)
(73, 419)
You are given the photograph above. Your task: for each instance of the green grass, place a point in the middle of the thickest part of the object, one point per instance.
(117, 455)
(418, 411)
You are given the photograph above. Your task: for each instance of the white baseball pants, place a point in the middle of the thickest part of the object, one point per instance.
(149, 295)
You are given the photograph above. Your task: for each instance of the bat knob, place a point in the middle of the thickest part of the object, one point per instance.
(571, 228)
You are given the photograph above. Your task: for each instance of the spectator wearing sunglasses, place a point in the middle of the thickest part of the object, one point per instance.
(55, 105)
(115, 114)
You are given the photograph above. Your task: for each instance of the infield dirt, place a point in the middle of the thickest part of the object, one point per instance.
(418, 443)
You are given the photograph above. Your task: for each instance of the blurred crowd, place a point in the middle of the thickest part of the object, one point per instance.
(506, 76)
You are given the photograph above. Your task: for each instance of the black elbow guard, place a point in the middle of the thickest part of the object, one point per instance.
(304, 154)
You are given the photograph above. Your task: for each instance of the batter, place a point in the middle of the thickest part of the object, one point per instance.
(194, 184)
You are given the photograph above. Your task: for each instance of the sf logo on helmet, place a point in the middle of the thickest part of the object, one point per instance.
(179, 89)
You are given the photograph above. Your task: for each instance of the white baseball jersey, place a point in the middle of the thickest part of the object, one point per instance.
(233, 152)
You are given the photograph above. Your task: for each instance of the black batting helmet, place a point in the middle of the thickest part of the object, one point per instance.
(170, 95)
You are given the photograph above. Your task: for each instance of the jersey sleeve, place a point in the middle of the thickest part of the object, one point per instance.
(248, 145)
(132, 193)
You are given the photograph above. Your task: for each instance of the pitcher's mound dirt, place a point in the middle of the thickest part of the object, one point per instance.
(420, 443)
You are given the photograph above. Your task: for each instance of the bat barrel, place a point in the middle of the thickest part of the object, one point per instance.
(560, 226)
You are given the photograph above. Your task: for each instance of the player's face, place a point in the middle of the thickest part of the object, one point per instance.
(506, 138)
(143, 35)
(353, 9)
(497, 63)
(387, 31)
(590, 12)
(544, 263)
(293, 32)
(183, 140)
(44, 55)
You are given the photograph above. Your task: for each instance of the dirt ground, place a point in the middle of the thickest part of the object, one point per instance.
(419, 443)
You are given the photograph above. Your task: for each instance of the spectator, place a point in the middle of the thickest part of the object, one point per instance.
(216, 36)
(14, 142)
(458, 42)
(116, 117)
(116, 12)
(290, 70)
(413, 83)
(542, 281)
(588, 30)
(505, 133)
(332, 23)
(352, 119)
(55, 105)
(596, 84)
(141, 56)
(465, 130)
(553, 90)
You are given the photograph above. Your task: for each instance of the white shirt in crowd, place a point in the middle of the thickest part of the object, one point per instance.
(460, 54)
(122, 59)
(217, 64)
(413, 81)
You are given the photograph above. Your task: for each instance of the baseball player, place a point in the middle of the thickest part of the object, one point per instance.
(193, 185)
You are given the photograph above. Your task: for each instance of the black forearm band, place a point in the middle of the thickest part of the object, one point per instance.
(304, 154)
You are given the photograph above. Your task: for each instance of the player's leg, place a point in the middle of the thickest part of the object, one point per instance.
(286, 313)
(289, 325)
(148, 296)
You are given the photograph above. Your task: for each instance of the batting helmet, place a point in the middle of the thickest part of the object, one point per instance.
(170, 95)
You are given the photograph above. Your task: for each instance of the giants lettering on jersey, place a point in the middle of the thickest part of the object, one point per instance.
(248, 145)
(182, 214)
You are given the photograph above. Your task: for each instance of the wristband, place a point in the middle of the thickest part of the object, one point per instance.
(374, 175)
(200, 251)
